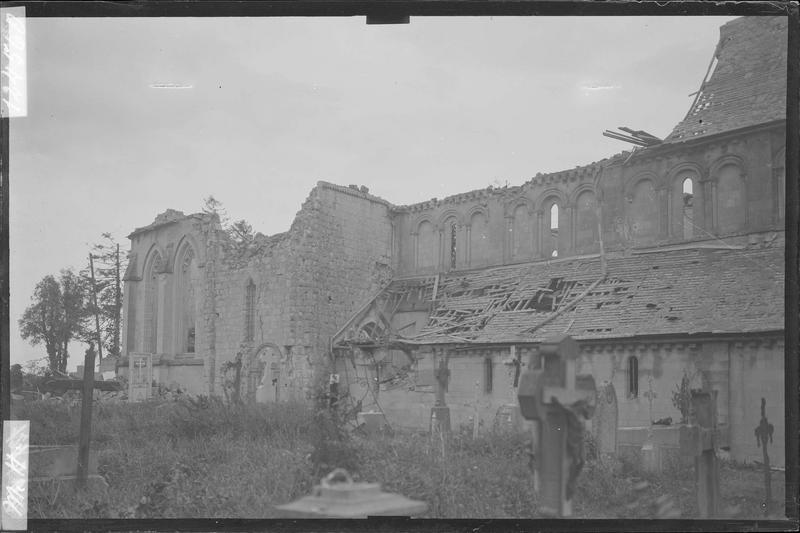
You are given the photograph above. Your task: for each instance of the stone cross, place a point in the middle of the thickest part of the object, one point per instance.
(763, 434)
(700, 439)
(605, 420)
(559, 401)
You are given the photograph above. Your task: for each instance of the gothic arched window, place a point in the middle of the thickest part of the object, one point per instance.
(151, 291)
(249, 311)
(188, 290)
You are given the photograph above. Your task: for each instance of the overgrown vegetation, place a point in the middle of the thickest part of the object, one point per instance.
(202, 458)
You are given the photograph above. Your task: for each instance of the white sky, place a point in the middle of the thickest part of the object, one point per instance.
(429, 109)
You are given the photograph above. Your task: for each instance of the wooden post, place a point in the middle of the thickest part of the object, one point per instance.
(96, 315)
(763, 434)
(440, 413)
(117, 306)
(701, 439)
(475, 418)
(86, 416)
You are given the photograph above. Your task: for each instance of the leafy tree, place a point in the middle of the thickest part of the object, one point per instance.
(241, 232)
(212, 206)
(56, 317)
(109, 267)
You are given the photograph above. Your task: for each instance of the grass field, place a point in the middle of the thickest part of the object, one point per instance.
(178, 459)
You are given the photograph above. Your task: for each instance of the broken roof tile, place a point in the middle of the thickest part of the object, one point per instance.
(692, 291)
(748, 84)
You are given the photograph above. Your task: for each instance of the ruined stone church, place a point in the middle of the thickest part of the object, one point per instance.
(663, 262)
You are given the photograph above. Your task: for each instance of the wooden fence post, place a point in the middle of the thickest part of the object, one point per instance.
(86, 416)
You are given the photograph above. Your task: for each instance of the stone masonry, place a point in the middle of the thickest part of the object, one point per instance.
(366, 289)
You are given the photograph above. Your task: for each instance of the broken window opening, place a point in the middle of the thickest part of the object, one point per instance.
(190, 340)
(688, 208)
(554, 217)
(453, 246)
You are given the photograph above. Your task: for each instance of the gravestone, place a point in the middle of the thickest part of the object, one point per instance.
(58, 463)
(140, 377)
(605, 420)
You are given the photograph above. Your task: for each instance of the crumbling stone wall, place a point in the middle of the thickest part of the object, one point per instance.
(308, 281)
(169, 237)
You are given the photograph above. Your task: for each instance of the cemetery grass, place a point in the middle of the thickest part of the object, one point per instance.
(206, 459)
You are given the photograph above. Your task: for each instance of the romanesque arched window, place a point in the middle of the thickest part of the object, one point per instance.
(552, 220)
(452, 242)
(633, 377)
(522, 233)
(643, 212)
(426, 245)
(586, 221)
(188, 285)
(249, 311)
(554, 228)
(687, 207)
(151, 294)
(478, 240)
(731, 199)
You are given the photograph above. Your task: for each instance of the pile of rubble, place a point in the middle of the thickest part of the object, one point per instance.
(73, 397)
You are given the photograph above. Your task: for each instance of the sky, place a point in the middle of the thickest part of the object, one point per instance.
(129, 117)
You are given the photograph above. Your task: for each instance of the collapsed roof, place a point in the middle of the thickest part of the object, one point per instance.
(680, 292)
(748, 83)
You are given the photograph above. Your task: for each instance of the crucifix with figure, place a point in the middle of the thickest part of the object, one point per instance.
(764, 433)
(558, 400)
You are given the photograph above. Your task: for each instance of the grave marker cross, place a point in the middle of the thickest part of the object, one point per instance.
(764, 432)
(557, 400)
(701, 439)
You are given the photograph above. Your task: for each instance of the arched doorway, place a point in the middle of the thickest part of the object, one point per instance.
(264, 375)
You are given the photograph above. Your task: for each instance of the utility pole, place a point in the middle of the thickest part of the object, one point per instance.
(96, 315)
